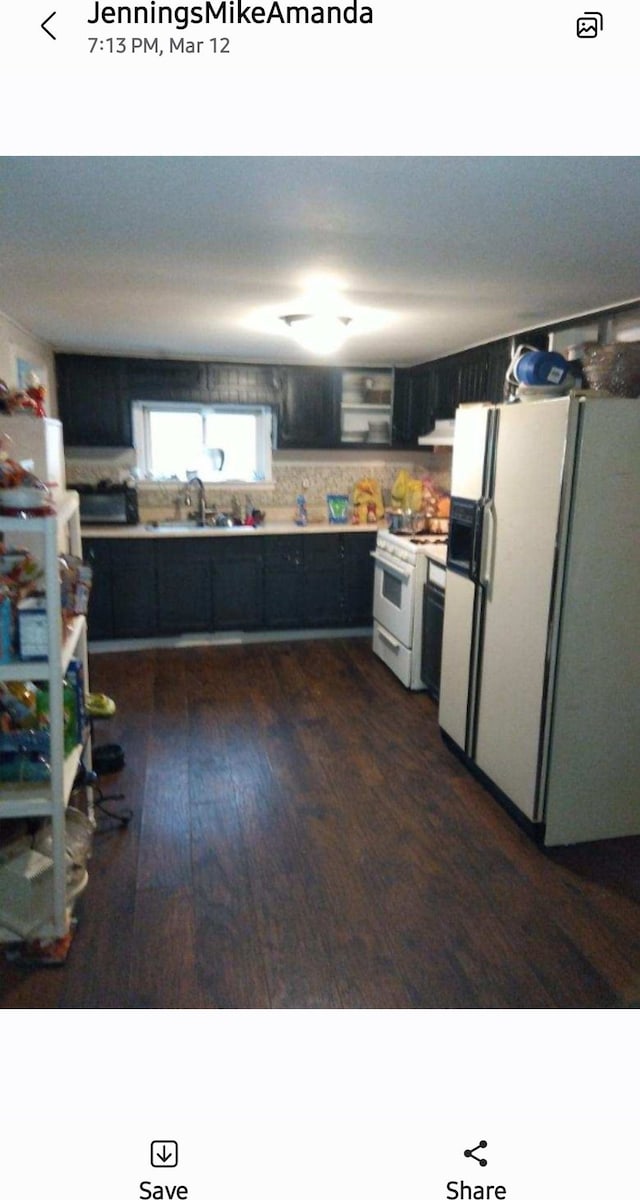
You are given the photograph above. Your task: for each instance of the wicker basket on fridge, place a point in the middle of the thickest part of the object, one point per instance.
(612, 368)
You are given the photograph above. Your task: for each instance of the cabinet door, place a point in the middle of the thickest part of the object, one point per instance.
(473, 376)
(244, 383)
(366, 406)
(414, 405)
(184, 585)
(401, 427)
(165, 379)
(359, 568)
(432, 623)
(308, 411)
(97, 552)
(284, 582)
(323, 579)
(92, 403)
(133, 588)
(238, 594)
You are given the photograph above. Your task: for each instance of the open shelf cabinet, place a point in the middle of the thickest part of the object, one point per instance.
(47, 537)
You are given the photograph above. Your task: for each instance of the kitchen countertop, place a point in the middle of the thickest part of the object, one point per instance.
(438, 553)
(161, 530)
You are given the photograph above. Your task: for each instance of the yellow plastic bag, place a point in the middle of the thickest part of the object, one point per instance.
(407, 492)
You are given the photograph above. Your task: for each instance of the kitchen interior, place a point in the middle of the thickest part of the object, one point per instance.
(351, 446)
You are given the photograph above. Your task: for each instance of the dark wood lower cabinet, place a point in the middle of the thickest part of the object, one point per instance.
(97, 552)
(171, 586)
(284, 581)
(183, 585)
(358, 578)
(323, 580)
(135, 612)
(238, 587)
(123, 601)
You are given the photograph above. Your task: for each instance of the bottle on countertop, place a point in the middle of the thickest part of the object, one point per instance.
(301, 516)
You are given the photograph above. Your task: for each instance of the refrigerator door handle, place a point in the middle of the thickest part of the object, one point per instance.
(476, 545)
(488, 541)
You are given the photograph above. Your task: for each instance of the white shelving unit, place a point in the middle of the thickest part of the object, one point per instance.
(49, 798)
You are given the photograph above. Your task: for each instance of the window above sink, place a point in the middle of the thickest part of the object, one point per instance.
(220, 443)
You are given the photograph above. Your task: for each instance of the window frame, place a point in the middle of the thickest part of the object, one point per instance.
(140, 416)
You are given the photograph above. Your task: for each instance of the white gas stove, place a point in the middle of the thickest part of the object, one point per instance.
(401, 570)
(408, 547)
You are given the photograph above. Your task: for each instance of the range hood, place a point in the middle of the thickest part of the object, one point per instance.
(441, 434)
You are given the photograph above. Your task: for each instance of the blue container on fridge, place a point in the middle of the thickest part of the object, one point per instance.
(538, 368)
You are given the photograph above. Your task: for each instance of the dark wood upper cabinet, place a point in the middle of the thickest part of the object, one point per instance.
(308, 409)
(244, 383)
(95, 395)
(433, 390)
(413, 406)
(92, 400)
(166, 379)
(472, 376)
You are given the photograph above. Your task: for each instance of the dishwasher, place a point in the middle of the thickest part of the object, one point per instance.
(432, 622)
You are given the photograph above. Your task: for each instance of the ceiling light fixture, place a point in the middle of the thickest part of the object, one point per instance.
(321, 333)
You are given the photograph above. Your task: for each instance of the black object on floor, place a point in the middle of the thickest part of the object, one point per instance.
(108, 759)
(105, 766)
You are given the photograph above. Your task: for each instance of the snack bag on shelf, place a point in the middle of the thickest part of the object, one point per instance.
(75, 585)
(7, 625)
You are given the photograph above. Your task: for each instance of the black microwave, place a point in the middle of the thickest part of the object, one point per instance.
(107, 503)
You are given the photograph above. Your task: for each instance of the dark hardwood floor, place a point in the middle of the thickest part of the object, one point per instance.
(302, 838)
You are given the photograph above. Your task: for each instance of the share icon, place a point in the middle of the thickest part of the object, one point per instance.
(471, 1154)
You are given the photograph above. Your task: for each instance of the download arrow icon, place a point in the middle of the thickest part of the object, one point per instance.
(45, 23)
(164, 1154)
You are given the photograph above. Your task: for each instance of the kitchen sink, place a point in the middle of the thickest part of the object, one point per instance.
(192, 527)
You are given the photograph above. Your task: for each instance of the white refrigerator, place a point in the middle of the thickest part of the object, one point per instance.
(540, 684)
(36, 442)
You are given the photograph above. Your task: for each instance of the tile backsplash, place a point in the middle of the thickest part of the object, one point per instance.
(337, 472)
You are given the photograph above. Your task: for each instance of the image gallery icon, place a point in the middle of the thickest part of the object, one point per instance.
(589, 25)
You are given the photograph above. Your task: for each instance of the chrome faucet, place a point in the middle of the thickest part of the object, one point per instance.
(202, 499)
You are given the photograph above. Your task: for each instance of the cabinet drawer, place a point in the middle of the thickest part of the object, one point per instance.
(393, 653)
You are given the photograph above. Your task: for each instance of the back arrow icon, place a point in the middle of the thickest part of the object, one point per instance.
(45, 23)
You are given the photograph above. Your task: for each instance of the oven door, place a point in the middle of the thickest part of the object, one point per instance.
(394, 585)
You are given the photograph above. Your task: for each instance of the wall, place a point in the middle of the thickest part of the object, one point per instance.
(14, 340)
